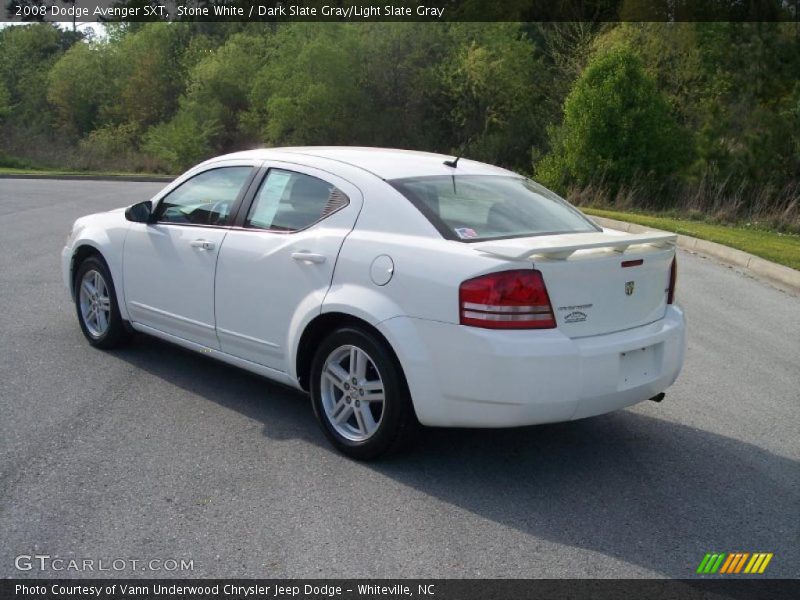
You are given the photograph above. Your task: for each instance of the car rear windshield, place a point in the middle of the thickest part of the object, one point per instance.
(485, 207)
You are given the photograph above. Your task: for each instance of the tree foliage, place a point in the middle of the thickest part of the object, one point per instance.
(150, 73)
(77, 88)
(494, 83)
(5, 101)
(27, 54)
(617, 128)
(732, 85)
(653, 106)
(181, 141)
(309, 89)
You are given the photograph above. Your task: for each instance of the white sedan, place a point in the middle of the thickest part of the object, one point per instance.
(395, 287)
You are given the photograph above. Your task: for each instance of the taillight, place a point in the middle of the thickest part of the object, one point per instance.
(673, 278)
(506, 300)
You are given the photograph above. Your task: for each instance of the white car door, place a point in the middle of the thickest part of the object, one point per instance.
(276, 265)
(168, 264)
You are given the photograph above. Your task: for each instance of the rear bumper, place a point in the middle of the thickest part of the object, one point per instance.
(468, 377)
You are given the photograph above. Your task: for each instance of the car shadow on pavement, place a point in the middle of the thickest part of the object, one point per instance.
(635, 487)
(628, 485)
(284, 412)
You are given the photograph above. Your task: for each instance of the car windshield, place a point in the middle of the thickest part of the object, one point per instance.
(481, 207)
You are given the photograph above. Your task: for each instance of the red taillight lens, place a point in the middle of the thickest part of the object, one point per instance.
(673, 278)
(506, 300)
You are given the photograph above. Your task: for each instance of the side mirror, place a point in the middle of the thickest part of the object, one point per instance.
(140, 213)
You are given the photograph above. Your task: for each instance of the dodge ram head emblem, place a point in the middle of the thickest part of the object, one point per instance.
(629, 288)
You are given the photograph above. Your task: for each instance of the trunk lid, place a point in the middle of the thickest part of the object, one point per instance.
(598, 282)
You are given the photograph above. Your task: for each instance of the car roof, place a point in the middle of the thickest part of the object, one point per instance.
(386, 163)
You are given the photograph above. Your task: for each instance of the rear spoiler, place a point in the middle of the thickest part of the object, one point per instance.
(563, 246)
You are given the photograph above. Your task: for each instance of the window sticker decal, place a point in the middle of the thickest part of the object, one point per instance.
(466, 233)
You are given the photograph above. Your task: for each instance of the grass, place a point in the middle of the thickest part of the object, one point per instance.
(39, 171)
(782, 248)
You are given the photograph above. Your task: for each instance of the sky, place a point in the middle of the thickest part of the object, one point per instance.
(99, 29)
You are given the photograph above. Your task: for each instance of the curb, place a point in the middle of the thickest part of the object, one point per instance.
(134, 178)
(780, 276)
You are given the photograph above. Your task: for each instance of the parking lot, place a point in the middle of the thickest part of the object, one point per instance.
(153, 452)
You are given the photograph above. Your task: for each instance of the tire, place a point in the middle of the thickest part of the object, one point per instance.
(350, 414)
(96, 305)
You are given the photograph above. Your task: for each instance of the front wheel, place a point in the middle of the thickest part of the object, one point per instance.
(359, 395)
(96, 304)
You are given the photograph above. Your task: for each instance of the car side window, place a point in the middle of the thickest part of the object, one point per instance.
(289, 201)
(205, 199)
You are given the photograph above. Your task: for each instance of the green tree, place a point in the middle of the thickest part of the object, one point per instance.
(217, 94)
(27, 53)
(748, 76)
(309, 90)
(218, 90)
(401, 65)
(617, 129)
(78, 87)
(150, 73)
(733, 84)
(493, 86)
(5, 101)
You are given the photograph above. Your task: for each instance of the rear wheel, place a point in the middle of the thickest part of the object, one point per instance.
(359, 395)
(96, 304)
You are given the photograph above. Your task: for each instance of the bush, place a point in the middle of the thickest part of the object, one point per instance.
(12, 162)
(111, 141)
(180, 142)
(115, 148)
(617, 129)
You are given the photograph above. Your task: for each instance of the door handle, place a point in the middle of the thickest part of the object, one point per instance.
(202, 244)
(309, 257)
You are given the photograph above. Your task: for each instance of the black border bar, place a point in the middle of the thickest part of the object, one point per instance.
(401, 10)
(389, 589)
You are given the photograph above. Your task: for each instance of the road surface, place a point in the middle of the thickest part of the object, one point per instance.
(154, 452)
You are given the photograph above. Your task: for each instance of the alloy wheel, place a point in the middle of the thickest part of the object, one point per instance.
(352, 393)
(95, 303)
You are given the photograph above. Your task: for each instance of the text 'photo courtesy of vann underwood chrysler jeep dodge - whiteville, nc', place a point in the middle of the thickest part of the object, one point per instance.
(398, 288)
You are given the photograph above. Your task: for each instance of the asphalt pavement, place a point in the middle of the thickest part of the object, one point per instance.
(156, 453)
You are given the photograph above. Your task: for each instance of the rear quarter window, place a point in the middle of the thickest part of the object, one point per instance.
(288, 201)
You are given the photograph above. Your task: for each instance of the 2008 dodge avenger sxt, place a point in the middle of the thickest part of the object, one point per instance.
(395, 287)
